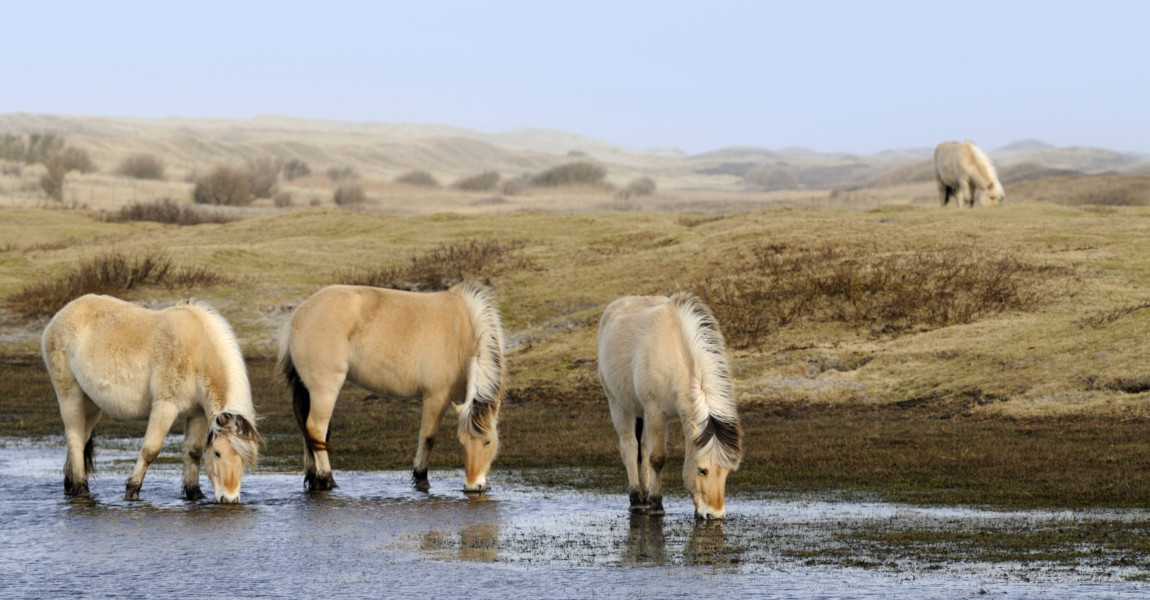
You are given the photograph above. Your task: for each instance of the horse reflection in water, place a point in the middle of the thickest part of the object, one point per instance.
(707, 545)
(645, 541)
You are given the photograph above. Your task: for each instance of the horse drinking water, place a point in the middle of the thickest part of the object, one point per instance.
(444, 347)
(661, 358)
(105, 355)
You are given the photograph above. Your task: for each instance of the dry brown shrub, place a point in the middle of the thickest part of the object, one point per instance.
(348, 195)
(418, 177)
(643, 186)
(480, 182)
(114, 274)
(223, 186)
(295, 168)
(442, 267)
(141, 166)
(167, 211)
(891, 291)
(263, 176)
(338, 174)
(576, 173)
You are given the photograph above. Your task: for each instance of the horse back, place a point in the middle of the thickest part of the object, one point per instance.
(108, 347)
(643, 358)
(388, 341)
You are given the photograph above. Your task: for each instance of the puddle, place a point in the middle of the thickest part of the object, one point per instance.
(375, 537)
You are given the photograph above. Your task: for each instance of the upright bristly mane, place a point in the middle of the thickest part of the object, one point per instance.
(237, 402)
(984, 170)
(486, 373)
(712, 407)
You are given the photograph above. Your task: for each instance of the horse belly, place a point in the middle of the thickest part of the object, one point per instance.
(121, 394)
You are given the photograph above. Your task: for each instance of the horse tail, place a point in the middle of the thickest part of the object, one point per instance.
(90, 456)
(639, 438)
(486, 373)
(713, 403)
(300, 399)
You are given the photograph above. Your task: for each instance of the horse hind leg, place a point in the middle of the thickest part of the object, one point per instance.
(80, 415)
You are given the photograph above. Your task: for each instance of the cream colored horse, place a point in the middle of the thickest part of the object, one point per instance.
(445, 347)
(105, 355)
(963, 171)
(661, 358)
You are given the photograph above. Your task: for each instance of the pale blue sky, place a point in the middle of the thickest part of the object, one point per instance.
(833, 76)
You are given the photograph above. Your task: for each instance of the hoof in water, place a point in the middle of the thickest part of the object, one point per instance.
(419, 481)
(78, 490)
(638, 503)
(655, 509)
(132, 492)
(313, 482)
(192, 493)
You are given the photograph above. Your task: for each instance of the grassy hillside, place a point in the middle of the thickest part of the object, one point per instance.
(1062, 333)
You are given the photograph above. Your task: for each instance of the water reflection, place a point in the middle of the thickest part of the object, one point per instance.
(707, 545)
(645, 543)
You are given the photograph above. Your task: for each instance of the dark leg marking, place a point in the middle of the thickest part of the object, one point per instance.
(75, 488)
(314, 482)
(192, 493)
(132, 491)
(419, 480)
(638, 503)
(89, 457)
(656, 507)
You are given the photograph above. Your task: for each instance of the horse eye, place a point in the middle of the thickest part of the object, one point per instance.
(703, 472)
(217, 453)
(487, 443)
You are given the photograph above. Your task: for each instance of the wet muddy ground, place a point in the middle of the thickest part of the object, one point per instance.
(376, 537)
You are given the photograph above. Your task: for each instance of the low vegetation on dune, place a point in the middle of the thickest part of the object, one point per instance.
(441, 267)
(167, 211)
(113, 273)
(770, 286)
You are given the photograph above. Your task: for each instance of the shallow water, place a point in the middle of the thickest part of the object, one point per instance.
(376, 537)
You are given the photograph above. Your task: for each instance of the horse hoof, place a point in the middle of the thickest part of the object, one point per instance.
(318, 483)
(419, 480)
(132, 492)
(193, 493)
(77, 490)
(655, 509)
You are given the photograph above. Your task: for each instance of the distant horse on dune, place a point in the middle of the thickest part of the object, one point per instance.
(445, 348)
(661, 358)
(962, 170)
(105, 355)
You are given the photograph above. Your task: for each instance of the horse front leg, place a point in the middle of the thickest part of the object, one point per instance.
(655, 454)
(159, 423)
(434, 407)
(195, 434)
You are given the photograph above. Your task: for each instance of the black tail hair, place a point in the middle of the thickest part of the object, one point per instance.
(639, 438)
(89, 456)
(301, 405)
